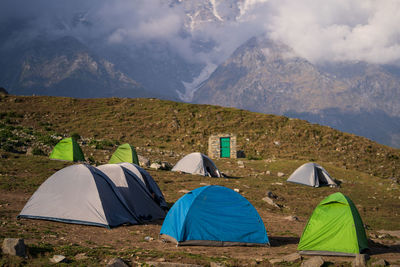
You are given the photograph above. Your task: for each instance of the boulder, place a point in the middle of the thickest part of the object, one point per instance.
(116, 262)
(313, 262)
(14, 246)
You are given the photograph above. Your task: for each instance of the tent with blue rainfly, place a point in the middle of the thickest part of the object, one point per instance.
(214, 216)
(67, 149)
(335, 228)
(80, 194)
(124, 153)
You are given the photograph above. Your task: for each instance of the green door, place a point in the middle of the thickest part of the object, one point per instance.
(225, 147)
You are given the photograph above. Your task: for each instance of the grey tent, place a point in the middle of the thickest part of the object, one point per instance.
(197, 163)
(311, 174)
(149, 182)
(79, 194)
(135, 193)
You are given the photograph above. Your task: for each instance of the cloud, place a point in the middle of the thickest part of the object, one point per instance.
(321, 31)
(339, 30)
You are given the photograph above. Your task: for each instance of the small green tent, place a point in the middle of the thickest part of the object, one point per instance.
(334, 228)
(67, 149)
(124, 153)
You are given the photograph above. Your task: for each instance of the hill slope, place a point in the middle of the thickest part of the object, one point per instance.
(186, 127)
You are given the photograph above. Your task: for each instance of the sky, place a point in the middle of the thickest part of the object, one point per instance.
(320, 31)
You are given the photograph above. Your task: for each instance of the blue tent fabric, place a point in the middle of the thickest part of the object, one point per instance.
(214, 215)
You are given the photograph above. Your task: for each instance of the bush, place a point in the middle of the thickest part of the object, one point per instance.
(76, 136)
(38, 152)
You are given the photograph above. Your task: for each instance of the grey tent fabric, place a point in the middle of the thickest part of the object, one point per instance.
(197, 163)
(138, 198)
(79, 194)
(148, 181)
(311, 174)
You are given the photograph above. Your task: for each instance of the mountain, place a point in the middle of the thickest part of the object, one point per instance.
(63, 67)
(267, 76)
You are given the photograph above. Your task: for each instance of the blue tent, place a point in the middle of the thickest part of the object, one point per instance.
(216, 216)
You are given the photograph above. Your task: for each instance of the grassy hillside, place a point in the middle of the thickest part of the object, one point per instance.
(185, 128)
(163, 130)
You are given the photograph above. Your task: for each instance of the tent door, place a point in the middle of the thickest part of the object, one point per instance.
(225, 145)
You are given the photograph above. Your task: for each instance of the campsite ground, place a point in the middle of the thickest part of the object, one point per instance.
(87, 245)
(165, 131)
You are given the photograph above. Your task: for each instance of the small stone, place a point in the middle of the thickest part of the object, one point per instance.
(58, 259)
(166, 166)
(29, 151)
(116, 262)
(271, 195)
(14, 246)
(240, 164)
(292, 257)
(204, 184)
(292, 218)
(184, 191)
(148, 238)
(380, 262)
(277, 183)
(280, 174)
(155, 166)
(143, 161)
(160, 260)
(360, 261)
(237, 190)
(313, 262)
(277, 143)
(270, 202)
(268, 172)
(217, 264)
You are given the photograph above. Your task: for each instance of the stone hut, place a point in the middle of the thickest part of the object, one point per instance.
(222, 146)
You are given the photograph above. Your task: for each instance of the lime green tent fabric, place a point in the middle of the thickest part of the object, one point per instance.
(67, 149)
(334, 228)
(124, 153)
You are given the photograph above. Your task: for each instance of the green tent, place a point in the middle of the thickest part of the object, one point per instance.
(334, 228)
(67, 149)
(124, 153)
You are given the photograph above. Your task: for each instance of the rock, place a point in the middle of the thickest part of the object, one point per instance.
(116, 262)
(237, 190)
(271, 195)
(204, 184)
(184, 191)
(14, 246)
(277, 143)
(313, 262)
(29, 151)
(148, 238)
(160, 260)
(292, 218)
(274, 261)
(240, 164)
(280, 174)
(143, 161)
(270, 202)
(170, 264)
(217, 264)
(360, 261)
(268, 172)
(155, 166)
(81, 256)
(277, 183)
(58, 259)
(380, 262)
(292, 257)
(392, 233)
(166, 166)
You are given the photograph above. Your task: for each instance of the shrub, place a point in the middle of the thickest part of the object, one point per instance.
(38, 152)
(76, 136)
